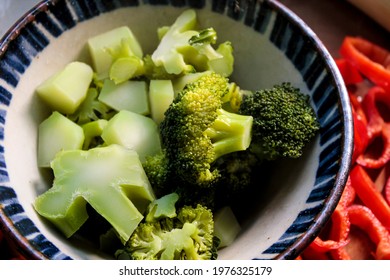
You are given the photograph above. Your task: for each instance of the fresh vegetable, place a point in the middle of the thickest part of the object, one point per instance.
(195, 132)
(368, 58)
(187, 236)
(359, 227)
(61, 93)
(183, 49)
(111, 179)
(57, 133)
(283, 120)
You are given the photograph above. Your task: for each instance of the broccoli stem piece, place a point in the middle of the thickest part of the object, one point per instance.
(230, 133)
(99, 176)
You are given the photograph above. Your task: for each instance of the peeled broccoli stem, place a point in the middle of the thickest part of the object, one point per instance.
(229, 133)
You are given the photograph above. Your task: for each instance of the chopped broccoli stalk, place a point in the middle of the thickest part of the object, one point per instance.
(167, 53)
(283, 120)
(188, 236)
(129, 95)
(224, 64)
(93, 131)
(105, 48)
(229, 133)
(133, 131)
(164, 207)
(57, 133)
(103, 177)
(91, 109)
(161, 95)
(226, 226)
(125, 68)
(65, 90)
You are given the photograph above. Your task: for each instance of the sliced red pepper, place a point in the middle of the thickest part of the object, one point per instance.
(376, 127)
(348, 196)
(386, 191)
(369, 195)
(360, 127)
(370, 59)
(365, 219)
(349, 73)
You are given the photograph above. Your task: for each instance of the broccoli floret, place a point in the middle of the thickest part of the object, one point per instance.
(91, 109)
(183, 49)
(283, 120)
(188, 236)
(239, 173)
(196, 131)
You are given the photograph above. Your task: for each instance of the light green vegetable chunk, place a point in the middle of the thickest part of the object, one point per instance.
(177, 36)
(226, 226)
(109, 178)
(102, 46)
(129, 95)
(164, 207)
(55, 134)
(125, 68)
(133, 131)
(161, 95)
(65, 90)
(225, 64)
(91, 131)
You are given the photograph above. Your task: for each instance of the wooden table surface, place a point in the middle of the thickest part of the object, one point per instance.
(331, 20)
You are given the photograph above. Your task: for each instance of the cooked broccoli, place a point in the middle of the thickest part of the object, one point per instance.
(98, 177)
(196, 130)
(91, 109)
(188, 236)
(184, 49)
(283, 120)
(239, 173)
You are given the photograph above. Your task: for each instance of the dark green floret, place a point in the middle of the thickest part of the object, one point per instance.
(283, 120)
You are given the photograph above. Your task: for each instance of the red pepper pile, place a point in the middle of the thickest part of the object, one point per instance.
(360, 226)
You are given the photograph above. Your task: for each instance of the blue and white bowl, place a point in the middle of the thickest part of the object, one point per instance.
(272, 45)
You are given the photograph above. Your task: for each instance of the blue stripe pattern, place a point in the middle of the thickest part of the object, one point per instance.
(259, 15)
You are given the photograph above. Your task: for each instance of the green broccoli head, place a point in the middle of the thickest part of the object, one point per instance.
(284, 121)
(188, 236)
(196, 130)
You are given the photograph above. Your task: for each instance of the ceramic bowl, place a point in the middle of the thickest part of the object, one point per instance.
(271, 45)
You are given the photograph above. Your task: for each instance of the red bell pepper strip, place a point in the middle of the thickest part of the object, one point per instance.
(386, 191)
(369, 195)
(349, 73)
(365, 219)
(360, 128)
(370, 59)
(376, 127)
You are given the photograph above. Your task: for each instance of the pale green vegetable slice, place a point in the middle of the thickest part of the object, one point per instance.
(104, 177)
(226, 226)
(161, 95)
(133, 131)
(225, 64)
(103, 45)
(55, 134)
(65, 90)
(92, 130)
(129, 95)
(125, 68)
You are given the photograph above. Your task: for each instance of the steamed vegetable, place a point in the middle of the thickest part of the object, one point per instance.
(111, 179)
(189, 235)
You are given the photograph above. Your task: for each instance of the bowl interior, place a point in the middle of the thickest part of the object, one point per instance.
(268, 50)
